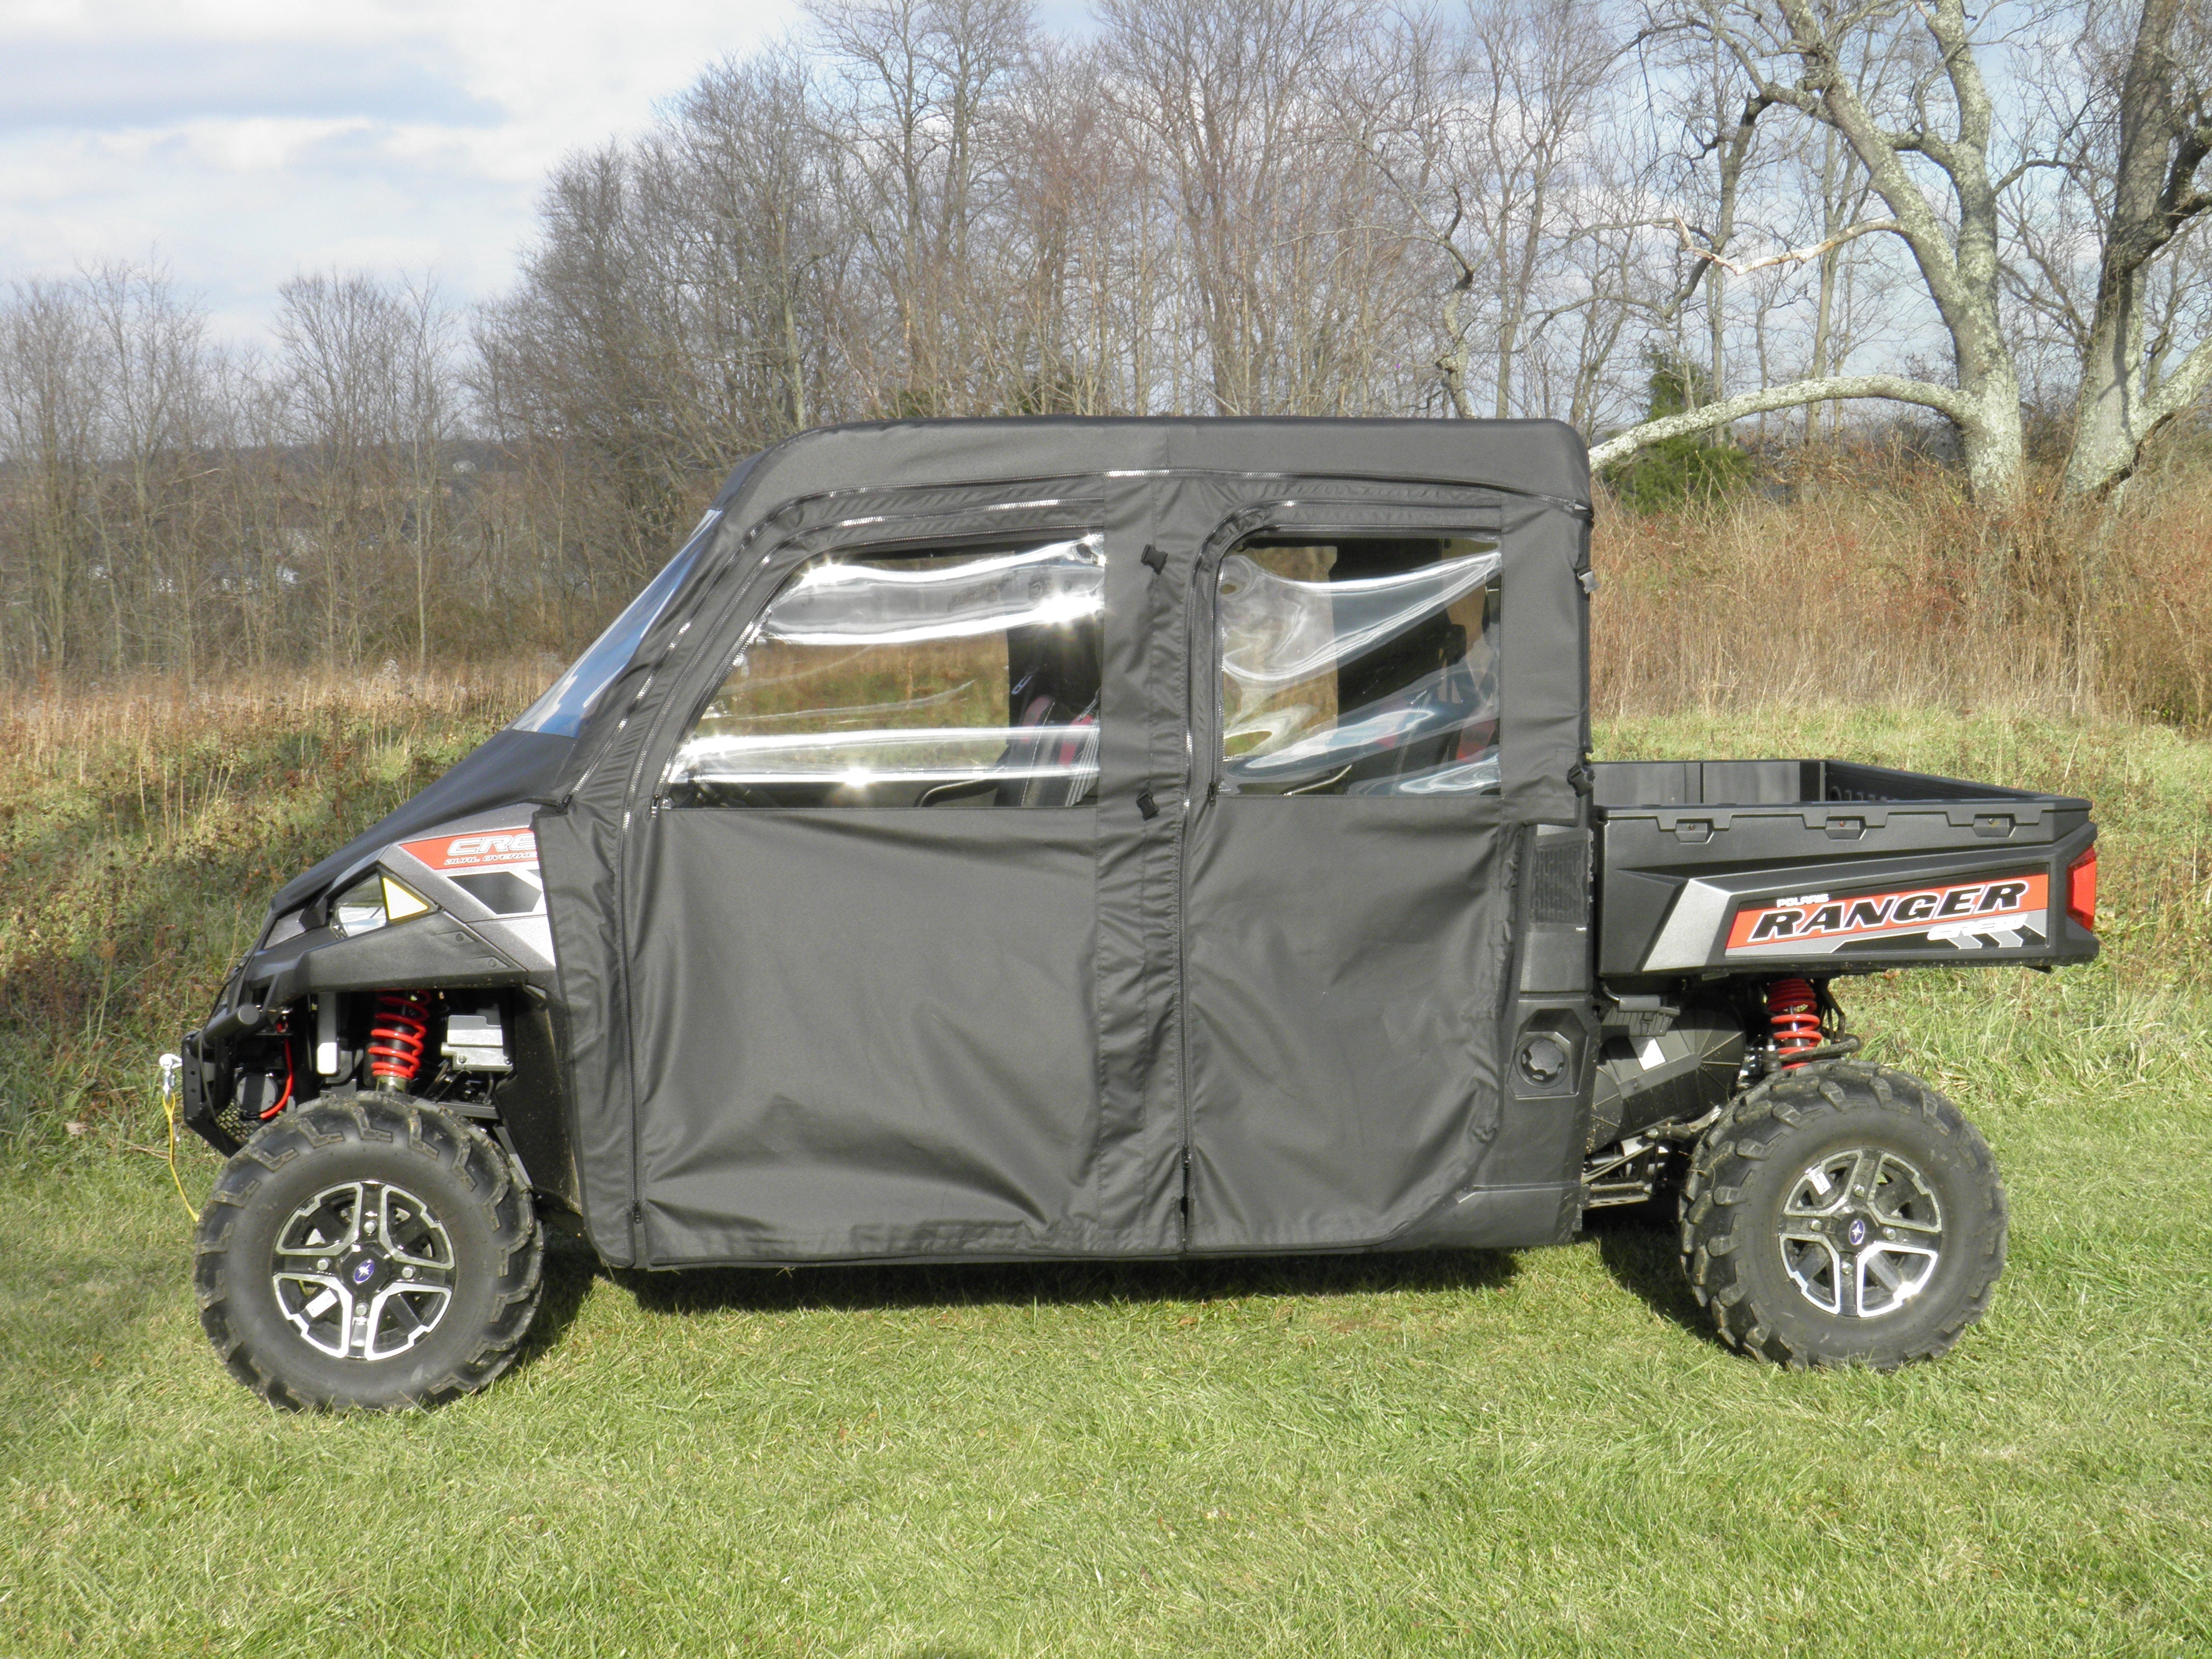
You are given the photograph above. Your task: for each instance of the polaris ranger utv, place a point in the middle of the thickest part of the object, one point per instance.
(1105, 838)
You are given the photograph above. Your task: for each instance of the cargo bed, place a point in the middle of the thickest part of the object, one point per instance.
(1824, 867)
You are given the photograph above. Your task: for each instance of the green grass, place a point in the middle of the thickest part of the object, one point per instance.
(1537, 1452)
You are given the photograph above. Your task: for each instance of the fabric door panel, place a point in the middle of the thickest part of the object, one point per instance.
(1343, 972)
(867, 1034)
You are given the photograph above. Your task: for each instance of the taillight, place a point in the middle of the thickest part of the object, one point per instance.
(2082, 889)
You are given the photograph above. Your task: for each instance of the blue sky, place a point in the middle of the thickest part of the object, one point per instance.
(243, 141)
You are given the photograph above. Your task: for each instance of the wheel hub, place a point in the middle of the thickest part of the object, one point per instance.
(1860, 1232)
(363, 1270)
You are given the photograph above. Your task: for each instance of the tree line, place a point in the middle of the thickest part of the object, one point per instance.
(1795, 214)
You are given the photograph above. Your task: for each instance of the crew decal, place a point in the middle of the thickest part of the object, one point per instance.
(1991, 911)
(480, 849)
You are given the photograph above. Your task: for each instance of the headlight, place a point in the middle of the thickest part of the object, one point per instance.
(373, 902)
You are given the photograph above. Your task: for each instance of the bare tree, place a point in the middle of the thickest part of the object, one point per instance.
(1233, 95)
(2135, 373)
(246, 559)
(760, 257)
(50, 394)
(1480, 122)
(1080, 252)
(927, 104)
(1842, 190)
(153, 347)
(588, 354)
(372, 392)
(1794, 55)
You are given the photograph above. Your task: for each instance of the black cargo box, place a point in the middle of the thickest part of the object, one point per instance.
(1825, 866)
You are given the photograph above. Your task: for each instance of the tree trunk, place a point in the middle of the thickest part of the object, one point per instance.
(1958, 260)
(1993, 436)
(2120, 405)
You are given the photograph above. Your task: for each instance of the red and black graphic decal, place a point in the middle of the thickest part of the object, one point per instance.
(480, 849)
(1994, 909)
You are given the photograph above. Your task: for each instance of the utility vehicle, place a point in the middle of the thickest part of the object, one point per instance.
(1059, 838)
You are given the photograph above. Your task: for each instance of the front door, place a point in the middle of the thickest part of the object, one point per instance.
(1345, 918)
(864, 977)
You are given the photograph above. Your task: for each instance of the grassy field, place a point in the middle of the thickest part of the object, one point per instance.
(1539, 1452)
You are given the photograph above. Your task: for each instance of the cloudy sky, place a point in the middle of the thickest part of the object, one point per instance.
(243, 141)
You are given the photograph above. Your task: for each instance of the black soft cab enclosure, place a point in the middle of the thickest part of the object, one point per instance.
(1077, 837)
(988, 839)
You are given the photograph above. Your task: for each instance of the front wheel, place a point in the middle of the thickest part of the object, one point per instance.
(1842, 1214)
(372, 1252)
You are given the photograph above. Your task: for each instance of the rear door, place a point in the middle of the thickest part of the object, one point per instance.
(1346, 875)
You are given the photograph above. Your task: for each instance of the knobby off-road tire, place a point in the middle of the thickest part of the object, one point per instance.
(370, 1201)
(1799, 1176)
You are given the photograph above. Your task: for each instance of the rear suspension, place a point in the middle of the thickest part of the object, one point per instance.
(1806, 1023)
(1793, 1009)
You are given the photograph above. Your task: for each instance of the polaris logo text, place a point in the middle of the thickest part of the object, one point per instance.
(484, 849)
(2001, 905)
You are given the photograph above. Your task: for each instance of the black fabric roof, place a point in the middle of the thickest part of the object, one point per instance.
(1529, 457)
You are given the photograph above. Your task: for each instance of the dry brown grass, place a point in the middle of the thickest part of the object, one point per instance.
(1881, 584)
(55, 728)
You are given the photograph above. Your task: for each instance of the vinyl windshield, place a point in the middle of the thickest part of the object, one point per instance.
(563, 710)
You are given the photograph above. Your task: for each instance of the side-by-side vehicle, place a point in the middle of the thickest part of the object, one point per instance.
(1068, 839)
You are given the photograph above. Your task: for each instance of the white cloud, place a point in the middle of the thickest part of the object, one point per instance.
(247, 139)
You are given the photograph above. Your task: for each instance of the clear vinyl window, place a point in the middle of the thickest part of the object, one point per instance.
(948, 680)
(1359, 665)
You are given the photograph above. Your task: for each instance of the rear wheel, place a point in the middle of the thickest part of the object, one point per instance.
(374, 1252)
(1842, 1214)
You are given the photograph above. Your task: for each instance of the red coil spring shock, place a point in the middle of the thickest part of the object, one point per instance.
(397, 1037)
(1793, 1009)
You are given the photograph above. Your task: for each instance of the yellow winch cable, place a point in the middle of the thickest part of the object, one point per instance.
(170, 1065)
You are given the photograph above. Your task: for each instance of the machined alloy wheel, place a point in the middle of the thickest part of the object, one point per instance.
(1842, 1214)
(1861, 1233)
(370, 1251)
(364, 1269)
